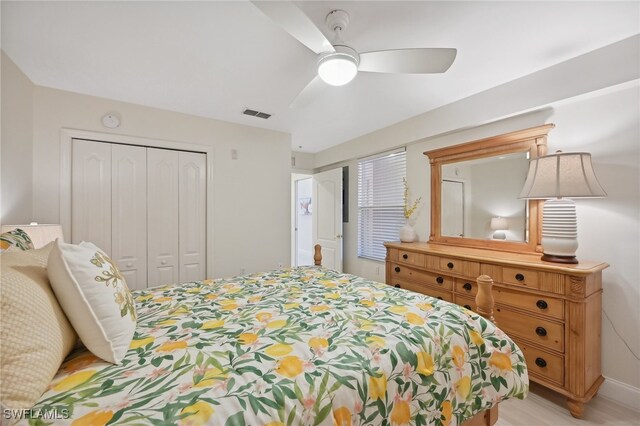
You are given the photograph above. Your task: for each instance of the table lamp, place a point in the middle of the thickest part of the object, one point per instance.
(557, 178)
(499, 225)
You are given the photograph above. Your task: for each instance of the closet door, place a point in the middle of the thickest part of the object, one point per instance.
(129, 213)
(162, 214)
(192, 202)
(91, 193)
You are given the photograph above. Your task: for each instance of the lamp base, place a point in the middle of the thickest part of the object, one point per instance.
(559, 259)
(499, 235)
(559, 231)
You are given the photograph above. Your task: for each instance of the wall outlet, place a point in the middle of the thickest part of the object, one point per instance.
(243, 270)
(377, 271)
(280, 265)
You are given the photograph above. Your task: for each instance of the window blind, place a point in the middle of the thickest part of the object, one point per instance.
(380, 202)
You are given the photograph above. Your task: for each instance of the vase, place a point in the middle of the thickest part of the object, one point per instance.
(407, 233)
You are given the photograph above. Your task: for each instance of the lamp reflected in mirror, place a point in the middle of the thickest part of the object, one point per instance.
(499, 225)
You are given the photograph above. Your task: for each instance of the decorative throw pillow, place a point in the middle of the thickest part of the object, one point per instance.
(16, 238)
(95, 297)
(35, 334)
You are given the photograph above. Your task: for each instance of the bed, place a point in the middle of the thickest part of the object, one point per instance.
(296, 346)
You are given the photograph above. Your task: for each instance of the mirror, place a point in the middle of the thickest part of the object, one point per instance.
(480, 198)
(475, 188)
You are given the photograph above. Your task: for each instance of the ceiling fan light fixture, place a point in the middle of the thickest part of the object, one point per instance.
(340, 67)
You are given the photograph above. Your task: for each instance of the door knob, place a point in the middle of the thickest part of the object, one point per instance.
(164, 262)
(129, 265)
(338, 236)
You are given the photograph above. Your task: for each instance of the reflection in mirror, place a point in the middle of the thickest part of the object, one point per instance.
(478, 194)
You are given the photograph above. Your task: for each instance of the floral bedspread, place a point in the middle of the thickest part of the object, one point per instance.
(300, 346)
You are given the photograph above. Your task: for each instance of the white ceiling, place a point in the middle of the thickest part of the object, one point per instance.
(213, 59)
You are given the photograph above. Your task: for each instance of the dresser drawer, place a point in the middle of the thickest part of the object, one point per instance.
(467, 288)
(536, 303)
(541, 332)
(416, 259)
(427, 278)
(518, 276)
(460, 267)
(540, 363)
(467, 302)
(516, 325)
(422, 289)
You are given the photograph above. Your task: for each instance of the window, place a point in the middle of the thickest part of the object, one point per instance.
(380, 202)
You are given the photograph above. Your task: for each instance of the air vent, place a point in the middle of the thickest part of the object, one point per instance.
(255, 113)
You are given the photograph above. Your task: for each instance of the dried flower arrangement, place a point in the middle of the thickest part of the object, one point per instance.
(408, 211)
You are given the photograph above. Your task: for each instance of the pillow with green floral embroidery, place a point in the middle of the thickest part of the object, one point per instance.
(16, 238)
(95, 297)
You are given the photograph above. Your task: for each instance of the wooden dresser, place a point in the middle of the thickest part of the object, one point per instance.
(552, 311)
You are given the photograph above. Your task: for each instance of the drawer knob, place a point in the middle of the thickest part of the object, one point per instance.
(540, 331)
(439, 280)
(519, 277)
(540, 362)
(397, 286)
(542, 304)
(405, 256)
(468, 307)
(467, 286)
(397, 269)
(440, 298)
(450, 265)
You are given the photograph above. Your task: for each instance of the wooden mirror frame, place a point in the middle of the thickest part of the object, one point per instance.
(533, 140)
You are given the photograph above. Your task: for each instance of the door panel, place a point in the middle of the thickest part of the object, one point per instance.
(452, 208)
(91, 193)
(192, 206)
(327, 216)
(162, 214)
(129, 213)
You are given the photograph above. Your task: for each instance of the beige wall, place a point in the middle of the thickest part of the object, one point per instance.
(17, 144)
(607, 124)
(252, 194)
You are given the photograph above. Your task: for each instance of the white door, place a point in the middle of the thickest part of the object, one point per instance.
(327, 216)
(129, 213)
(303, 214)
(162, 214)
(452, 208)
(192, 211)
(91, 193)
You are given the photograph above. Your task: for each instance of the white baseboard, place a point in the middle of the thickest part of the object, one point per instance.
(621, 393)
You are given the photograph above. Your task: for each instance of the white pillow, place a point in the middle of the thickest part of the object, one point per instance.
(95, 297)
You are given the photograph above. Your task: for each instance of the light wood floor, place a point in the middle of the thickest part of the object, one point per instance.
(545, 408)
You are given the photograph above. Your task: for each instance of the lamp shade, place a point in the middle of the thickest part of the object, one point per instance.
(40, 234)
(562, 175)
(499, 223)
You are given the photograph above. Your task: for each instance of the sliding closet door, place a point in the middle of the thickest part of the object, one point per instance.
(192, 216)
(129, 213)
(91, 193)
(162, 214)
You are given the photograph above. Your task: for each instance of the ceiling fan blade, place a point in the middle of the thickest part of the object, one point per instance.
(408, 61)
(309, 93)
(296, 23)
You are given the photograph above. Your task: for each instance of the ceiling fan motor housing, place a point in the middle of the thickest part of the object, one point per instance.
(337, 20)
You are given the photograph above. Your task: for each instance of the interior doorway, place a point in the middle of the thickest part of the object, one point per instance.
(303, 220)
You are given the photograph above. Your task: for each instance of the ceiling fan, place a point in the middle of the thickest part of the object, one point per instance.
(338, 63)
